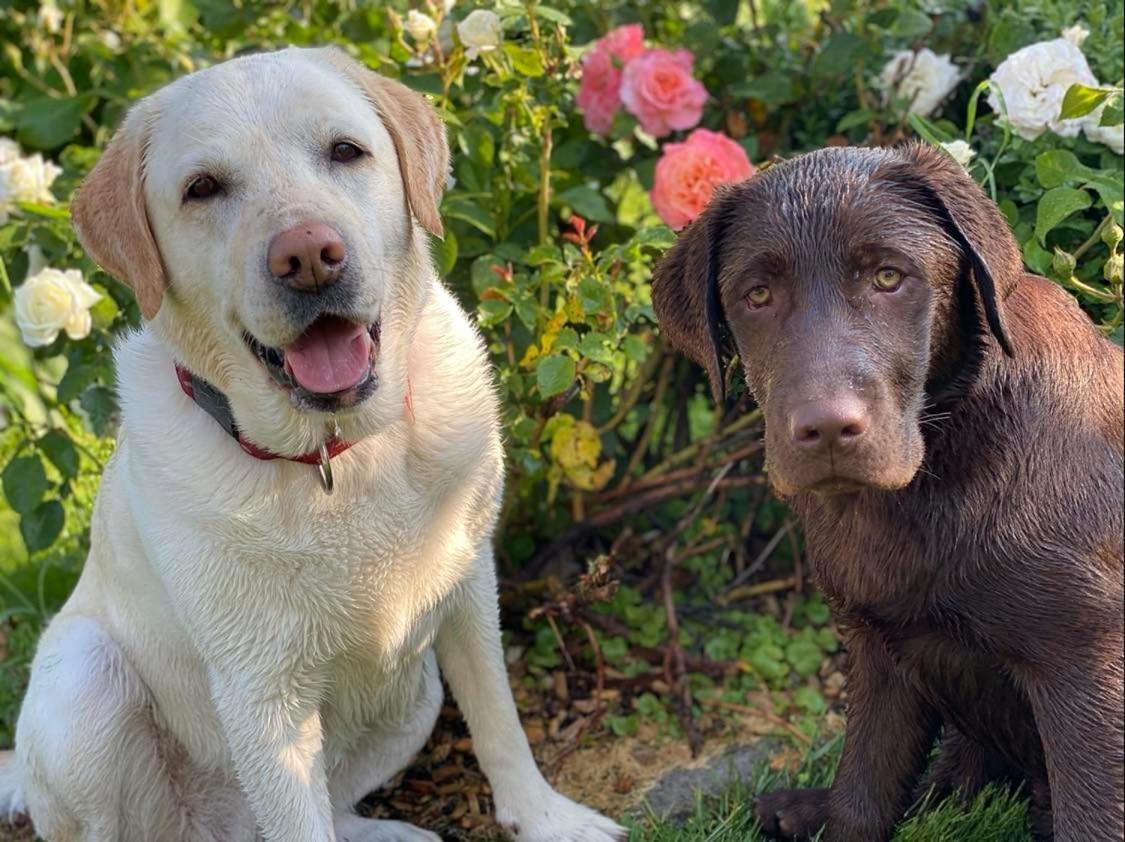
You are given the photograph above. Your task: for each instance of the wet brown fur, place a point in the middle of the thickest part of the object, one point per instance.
(982, 601)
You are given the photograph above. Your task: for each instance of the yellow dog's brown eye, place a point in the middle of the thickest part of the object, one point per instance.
(759, 296)
(203, 187)
(888, 279)
(343, 152)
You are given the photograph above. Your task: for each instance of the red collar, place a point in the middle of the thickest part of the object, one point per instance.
(216, 405)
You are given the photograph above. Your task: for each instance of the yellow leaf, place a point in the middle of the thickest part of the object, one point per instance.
(576, 446)
(530, 356)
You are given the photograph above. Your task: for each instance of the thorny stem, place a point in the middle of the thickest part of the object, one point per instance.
(545, 186)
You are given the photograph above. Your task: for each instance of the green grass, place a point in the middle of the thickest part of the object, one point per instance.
(996, 815)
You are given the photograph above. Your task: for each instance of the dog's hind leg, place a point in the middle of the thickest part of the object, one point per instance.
(963, 767)
(94, 764)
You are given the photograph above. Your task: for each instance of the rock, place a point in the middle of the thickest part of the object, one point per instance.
(673, 795)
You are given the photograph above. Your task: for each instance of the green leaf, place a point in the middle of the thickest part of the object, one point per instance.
(444, 252)
(1057, 166)
(724, 12)
(587, 202)
(25, 483)
(839, 56)
(57, 446)
(772, 88)
(177, 15)
(597, 347)
(804, 656)
(912, 23)
(554, 374)
(5, 282)
(492, 312)
(1056, 205)
(525, 60)
(49, 122)
(1080, 100)
(76, 378)
(767, 662)
(635, 348)
(41, 526)
(553, 15)
(1113, 115)
(472, 214)
(810, 699)
(104, 311)
(100, 407)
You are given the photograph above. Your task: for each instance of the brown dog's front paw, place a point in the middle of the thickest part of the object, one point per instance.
(792, 813)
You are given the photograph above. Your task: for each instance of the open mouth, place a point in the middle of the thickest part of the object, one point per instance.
(330, 365)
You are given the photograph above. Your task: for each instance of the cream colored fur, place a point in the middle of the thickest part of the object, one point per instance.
(244, 656)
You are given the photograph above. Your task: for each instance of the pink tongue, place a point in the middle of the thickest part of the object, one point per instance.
(331, 356)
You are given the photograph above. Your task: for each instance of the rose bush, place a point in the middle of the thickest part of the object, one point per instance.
(581, 134)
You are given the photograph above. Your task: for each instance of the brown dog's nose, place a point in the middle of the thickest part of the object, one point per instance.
(830, 423)
(307, 256)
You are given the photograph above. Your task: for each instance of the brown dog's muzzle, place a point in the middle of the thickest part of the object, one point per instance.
(835, 424)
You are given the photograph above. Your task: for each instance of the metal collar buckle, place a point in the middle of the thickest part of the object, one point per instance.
(324, 469)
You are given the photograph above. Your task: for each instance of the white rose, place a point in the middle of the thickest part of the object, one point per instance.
(420, 26)
(30, 179)
(1076, 34)
(479, 32)
(960, 151)
(51, 301)
(447, 6)
(1111, 136)
(923, 78)
(50, 17)
(1034, 81)
(5, 196)
(9, 150)
(111, 39)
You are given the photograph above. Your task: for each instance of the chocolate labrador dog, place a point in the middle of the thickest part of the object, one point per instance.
(949, 429)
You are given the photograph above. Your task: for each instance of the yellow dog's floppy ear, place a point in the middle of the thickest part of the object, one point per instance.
(416, 131)
(111, 218)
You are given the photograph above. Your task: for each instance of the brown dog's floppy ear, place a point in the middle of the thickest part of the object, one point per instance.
(417, 133)
(974, 222)
(110, 216)
(685, 292)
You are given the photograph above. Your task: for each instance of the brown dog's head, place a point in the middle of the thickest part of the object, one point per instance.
(859, 286)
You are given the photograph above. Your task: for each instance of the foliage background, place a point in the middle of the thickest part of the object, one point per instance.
(616, 453)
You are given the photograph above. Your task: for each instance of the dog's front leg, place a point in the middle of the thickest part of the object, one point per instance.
(275, 745)
(471, 658)
(1078, 710)
(890, 731)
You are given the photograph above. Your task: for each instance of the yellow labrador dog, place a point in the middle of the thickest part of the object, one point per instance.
(246, 654)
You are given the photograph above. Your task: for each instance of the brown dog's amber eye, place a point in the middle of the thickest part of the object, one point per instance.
(888, 279)
(343, 152)
(758, 296)
(203, 187)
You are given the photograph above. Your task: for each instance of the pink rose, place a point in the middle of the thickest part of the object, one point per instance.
(687, 173)
(599, 94)
(658, 89)
(624, 43)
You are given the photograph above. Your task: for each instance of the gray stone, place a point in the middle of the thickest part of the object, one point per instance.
(673, 794)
